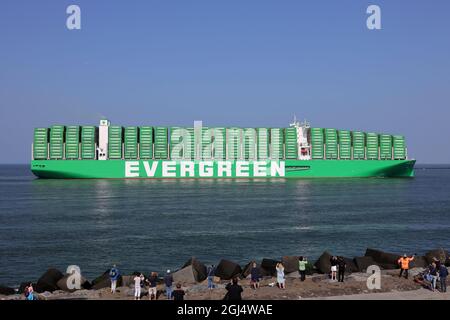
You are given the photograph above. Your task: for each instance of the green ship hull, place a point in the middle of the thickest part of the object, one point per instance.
(203, 169)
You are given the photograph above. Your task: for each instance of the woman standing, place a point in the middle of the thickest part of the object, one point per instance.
(254, 276)
(334, 263)
(138, 280)
(280, 276)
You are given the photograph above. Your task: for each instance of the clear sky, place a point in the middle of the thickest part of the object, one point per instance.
(227, 62)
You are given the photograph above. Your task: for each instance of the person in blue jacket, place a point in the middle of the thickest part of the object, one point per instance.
(114, 275)
(443, 273)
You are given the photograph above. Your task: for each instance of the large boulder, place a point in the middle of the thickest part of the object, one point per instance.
(227, 270)
(248, 268)
(418, 262)
(290, 263)
(439, 254)
(48, 281)
(128, 281)
(268, 267)
(185, 276)
(104, 281)
(388, 260)
(62, 284)
(6, 291)
(351, 265)
(199, 269)
(362, 263)
(323, 264)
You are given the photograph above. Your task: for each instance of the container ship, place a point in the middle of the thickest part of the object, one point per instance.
(298, 151)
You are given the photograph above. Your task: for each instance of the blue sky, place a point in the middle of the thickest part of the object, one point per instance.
(232, 63)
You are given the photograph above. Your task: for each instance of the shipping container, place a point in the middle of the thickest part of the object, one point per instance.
(276, 143)
(385, 147)
(115, 142)
(207, 142)
(72, 142)
(57, 142)
(263, 142)
(146, 142)
(219, 143)
(345, 144)
(234, 143)
(291, 143)
(372, 146)
(161, 141)
(131, 143)
(88, 142)
(249, 141)
(331, 144)
(40, 144)
(317, 143)
(359, 145)
(399, 147)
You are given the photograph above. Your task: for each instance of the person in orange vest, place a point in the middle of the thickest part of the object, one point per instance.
(404, 264)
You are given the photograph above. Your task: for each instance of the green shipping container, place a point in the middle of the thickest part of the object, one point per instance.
(146, 142)
(385, 147)
(131, 143)
(276, 143)
(207, 142)
(115, 142)
(219, 143)
(249, 139)
(263, 143)
(359, 145)
(234, 138)
(345, 144)
(161, 141)
(372, 144)
(40, 144)
(331, 144)
(88, 142)
(317, 143)
(57, 142)
(72, 142)
(399, 147)
(291, 143)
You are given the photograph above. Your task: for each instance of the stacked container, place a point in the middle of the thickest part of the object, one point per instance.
(234, 136)
(161, 139)
(317, 142)
(72, 142)
(40, 144)
(359, 145)
(146, 142)
(249, 139)
(131, 143)
(190, 149)
(372, 144)
(276, 143)
(399, 147)
(176, 138)
(345, 144)
(385, 147)
(219, 143)
(262, 143)
(57, 142)
(115, 142)
(206, 143)
(331, 144)
(291, 143)
(88, 140)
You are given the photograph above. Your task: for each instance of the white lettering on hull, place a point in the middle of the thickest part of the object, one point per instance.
(204, 169)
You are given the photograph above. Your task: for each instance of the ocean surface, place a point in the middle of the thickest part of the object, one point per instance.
(154, 225)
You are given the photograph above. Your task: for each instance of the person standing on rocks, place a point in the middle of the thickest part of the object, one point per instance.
(280, 276)
(153, 282)
(138, 280)
(178, 293)
(254, 276)
(434, 275)
(443, 273)
(168, 281)
(334, 263)
(211, 273)
(404, 265)
(302, 262)
(29, 292)
(234, 291)
(341, 269)
(114, 275)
